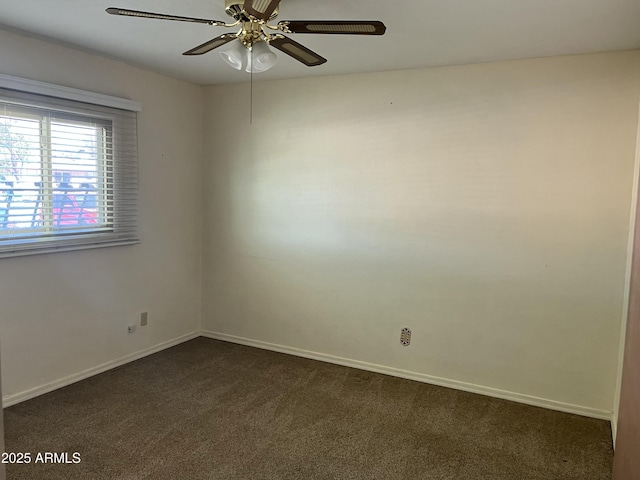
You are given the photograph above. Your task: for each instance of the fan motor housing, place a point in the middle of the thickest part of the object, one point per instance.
(235, 9)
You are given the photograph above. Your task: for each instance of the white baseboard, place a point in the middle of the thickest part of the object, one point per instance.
(614, 428)
(9, 400)
(420, 377)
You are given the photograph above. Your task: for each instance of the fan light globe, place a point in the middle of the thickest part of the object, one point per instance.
(261, 58)
(235, 55)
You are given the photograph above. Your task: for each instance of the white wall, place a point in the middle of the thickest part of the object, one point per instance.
(61, 314)
(486, 207)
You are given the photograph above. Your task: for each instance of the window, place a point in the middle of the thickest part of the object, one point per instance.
(68, 173)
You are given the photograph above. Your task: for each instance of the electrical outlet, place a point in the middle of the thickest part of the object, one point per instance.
(131, 328)
(405, 337)
(144, 319)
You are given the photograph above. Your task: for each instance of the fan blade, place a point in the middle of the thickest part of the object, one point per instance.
(334, 27)
(160, 16)
(297, 51)
(211, 44)
(261, 9)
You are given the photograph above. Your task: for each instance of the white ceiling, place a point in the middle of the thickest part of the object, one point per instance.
(420, 33)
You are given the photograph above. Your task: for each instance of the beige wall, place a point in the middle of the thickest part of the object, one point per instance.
(486, 207)
(62, 314)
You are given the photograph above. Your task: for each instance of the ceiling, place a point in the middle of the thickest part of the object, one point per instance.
(420, 33)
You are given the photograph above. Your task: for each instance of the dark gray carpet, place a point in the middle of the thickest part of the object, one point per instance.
(213, 410)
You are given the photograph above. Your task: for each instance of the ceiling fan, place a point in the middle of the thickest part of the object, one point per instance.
(251, 50)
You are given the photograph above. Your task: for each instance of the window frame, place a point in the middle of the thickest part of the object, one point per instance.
(73, 105)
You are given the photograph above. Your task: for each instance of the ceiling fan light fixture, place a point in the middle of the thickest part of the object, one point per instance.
(261, 58)
(235, 56)
(251, 51)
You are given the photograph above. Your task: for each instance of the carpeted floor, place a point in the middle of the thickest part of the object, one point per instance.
(213, 410)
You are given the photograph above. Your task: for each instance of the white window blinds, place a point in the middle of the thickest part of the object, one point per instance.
(68, 174)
